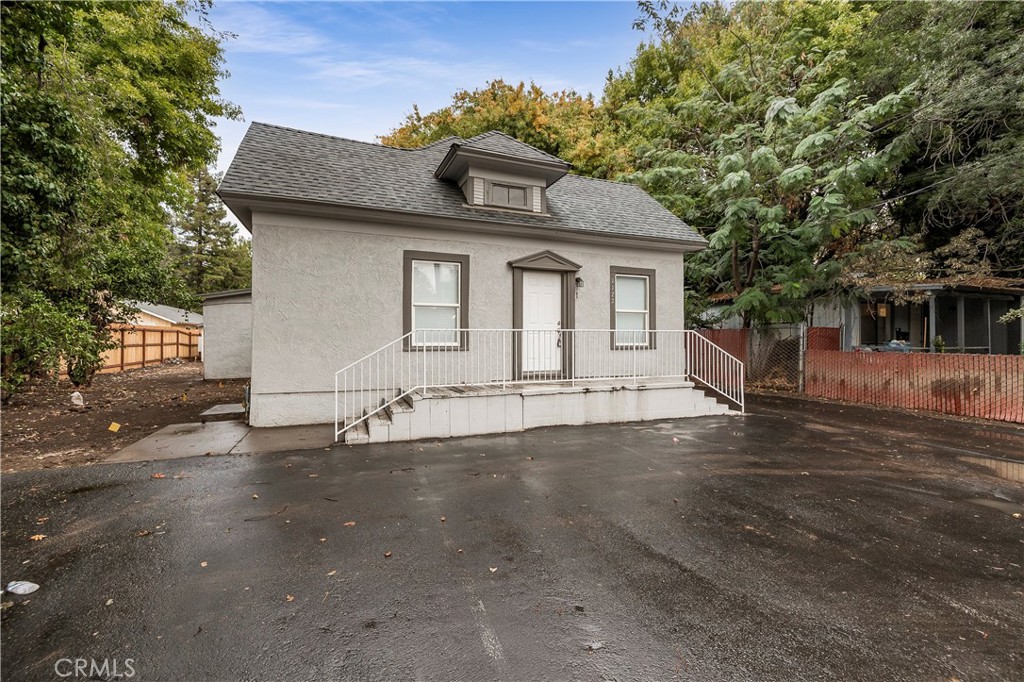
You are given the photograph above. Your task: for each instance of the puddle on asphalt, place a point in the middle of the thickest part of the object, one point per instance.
(1004, 468)
(1004, 506)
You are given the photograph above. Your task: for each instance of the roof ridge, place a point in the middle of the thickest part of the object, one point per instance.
(349, 139)
(436, 142)
(492, 132)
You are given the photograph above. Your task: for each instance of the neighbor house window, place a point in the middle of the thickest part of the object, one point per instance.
(508, 195)
(436, 299)
(632, 308)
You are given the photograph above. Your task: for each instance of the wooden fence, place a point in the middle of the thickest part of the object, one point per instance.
(142, 346)
(985, 386)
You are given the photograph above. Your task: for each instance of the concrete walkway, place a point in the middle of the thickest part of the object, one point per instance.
(178, 441)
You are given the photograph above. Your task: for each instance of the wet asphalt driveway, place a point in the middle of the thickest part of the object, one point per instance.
(800, 542)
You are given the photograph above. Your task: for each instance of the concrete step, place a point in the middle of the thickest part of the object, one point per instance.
(360, 433)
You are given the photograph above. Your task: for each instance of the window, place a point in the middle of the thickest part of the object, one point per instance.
(508, 195)
(632, 308)
(436, 298)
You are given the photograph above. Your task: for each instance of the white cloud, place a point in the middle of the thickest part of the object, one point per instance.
(259, 30)
(417, 72)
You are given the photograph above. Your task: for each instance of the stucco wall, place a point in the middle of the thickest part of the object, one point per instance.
(326, 292)
(227, 349)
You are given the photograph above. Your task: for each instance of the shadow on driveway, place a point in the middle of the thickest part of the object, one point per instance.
(802, 541)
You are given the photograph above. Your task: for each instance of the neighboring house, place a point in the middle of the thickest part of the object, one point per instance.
(156, 315)
(964, 312)
(227, 334)
(454, 284)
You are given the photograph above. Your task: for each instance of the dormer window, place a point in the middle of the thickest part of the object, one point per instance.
(495, 171)
(508, 196)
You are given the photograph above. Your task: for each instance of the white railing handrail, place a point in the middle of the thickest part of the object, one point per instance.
(497, 356)
(372, 353)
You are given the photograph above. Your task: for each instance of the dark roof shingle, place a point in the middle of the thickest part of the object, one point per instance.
(273, 162)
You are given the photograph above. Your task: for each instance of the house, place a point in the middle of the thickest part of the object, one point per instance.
(156, 315)
(963, 312)
(468, 286)
(227, 334)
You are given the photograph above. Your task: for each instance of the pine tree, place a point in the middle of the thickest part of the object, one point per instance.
(208, 254)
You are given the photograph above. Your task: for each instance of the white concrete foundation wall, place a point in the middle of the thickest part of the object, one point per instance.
(327, 292)
(471, 415)
(227, 339)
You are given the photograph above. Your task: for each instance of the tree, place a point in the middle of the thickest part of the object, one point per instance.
(562, 123)
(965, 61)
(763, 142)
(208, 254)
(105, 108)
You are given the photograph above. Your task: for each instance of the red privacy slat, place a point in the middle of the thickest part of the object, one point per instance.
(986, 386)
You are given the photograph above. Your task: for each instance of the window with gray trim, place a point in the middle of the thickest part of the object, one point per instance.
(632, 307)
(509, 196)
(436, 299)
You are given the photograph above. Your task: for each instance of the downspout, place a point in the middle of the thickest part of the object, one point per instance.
(682, 258)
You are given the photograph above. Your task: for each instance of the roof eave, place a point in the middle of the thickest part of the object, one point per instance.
(335, 210)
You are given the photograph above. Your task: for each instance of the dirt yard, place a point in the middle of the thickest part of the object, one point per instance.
(43, 430)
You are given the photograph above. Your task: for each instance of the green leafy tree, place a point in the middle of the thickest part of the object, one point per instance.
(105, 109)
(762, 142)
(563, 123)
(965, 62)
(208, 254)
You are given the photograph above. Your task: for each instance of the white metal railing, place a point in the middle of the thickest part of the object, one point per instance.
(445, 358)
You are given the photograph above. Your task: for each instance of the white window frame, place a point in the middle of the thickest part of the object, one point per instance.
(457, 306)
(646, 312)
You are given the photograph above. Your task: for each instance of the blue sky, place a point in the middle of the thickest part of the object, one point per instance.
(356, 69)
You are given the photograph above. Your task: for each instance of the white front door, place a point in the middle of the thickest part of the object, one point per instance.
(542, 322)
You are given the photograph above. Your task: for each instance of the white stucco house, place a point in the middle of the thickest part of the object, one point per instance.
(468, 286)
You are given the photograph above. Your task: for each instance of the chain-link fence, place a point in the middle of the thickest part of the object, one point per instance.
(809, 360)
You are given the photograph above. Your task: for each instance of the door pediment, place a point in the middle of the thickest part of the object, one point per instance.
(546, 260)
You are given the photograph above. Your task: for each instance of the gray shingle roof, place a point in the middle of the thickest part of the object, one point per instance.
(175, 315)
(497, 141)
(273, 162)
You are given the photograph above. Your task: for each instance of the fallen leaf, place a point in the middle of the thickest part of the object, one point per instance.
(114, 426)
(349, 523)
(37, 537)
(331, 573)
(203, 564)
(184, 397)
(159, 476)
(290, 597)
(493, 569)
(323, 539)
(387, 555)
